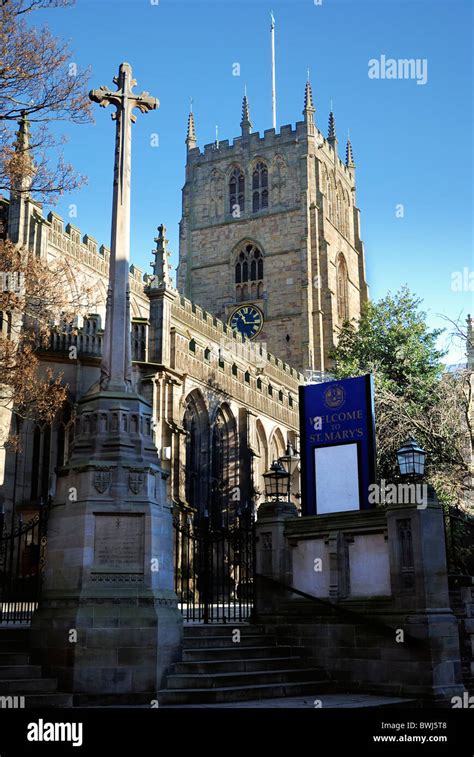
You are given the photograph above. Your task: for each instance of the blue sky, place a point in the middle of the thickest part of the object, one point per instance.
(412, 143)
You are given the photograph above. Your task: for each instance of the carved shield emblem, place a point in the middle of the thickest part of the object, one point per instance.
(135, 481)
(101, 480)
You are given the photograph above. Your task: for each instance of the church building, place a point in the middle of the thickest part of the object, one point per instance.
(270, 265)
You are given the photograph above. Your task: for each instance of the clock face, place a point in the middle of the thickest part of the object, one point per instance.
(247, 320)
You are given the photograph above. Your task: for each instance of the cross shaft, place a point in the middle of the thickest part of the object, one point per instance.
(116, 365)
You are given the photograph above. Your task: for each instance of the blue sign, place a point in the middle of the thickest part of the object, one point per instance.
(337, 426)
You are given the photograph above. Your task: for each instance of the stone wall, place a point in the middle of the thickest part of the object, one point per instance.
(366, 593)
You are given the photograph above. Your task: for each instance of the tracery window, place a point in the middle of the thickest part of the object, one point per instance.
(342, 290)
(237, 192)
(259, 187)
(249, 273)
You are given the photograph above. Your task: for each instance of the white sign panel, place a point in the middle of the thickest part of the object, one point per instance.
(337, 478)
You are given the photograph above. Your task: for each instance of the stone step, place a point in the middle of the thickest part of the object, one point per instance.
(237, 652)
(27, 685)
(221, 629)
(249, 640)
(14, 658)
(19, 671)
(244, 665)
(14, 632)
(43, 700)
(242, 693)
(13, 645)
(237, 680)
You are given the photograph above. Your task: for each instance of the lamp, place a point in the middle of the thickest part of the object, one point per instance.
(411, 460)
(276, 481)
(290, 461)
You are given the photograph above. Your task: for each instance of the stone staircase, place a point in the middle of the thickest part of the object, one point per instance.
(215, 668)
(22, 684)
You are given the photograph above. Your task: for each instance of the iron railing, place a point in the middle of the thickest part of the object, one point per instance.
(214, 570)
(22, 554)
(459, 530)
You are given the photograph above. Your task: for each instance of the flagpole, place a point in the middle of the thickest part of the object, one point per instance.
(273, 72)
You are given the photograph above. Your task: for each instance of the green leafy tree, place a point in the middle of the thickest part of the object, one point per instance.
(414, 394)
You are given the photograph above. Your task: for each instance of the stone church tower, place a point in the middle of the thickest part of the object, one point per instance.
(272, 221)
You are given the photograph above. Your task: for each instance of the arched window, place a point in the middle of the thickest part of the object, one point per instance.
(237, 192)
(248, 272)
(261, 463)
(40, 463)
(339, 209)
(342, 290)
(277, 445)
(259, 187)
(224, 469)
(196, 426)
(330, 196)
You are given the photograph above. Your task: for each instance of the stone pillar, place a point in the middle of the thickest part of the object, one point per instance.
(420, 587)
(272, 555)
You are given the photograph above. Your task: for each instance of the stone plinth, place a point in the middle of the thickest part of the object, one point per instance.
(273, 558)
(109, 626)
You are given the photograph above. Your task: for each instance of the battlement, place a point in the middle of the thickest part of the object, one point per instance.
(86, 250)
(255, 140)
(69, 240)
(216, 330)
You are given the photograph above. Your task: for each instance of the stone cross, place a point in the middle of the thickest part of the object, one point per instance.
(116, 365)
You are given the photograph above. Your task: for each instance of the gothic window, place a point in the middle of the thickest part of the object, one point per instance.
(139, 337)
(196, 426)
(259, 187)
(279, 180)
(347, 204)
(40, 464)
(65, 435)
(261, 464)
(224, 469)
(330, 192)
(249, 273)
(339, 209)
(277, 445)
(236, 192)
(342, 290)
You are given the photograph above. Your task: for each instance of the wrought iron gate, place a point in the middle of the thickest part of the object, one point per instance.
(22, 551)
(214, 569)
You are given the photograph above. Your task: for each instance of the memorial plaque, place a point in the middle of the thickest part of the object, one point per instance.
(118, 543)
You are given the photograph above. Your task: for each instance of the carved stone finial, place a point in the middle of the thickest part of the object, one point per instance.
(191, 139)
(246, 123)
(161, 268)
